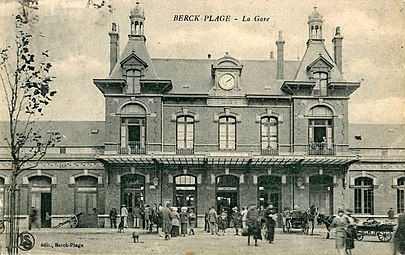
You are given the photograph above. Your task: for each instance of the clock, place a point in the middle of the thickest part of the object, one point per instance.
(227, 81)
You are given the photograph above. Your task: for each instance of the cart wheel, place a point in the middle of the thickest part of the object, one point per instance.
(73, 221)
(360, 235)
(26, 241)
(2, 227)
(384, 235)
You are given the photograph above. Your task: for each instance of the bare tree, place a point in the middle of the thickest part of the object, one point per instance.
(25, 78)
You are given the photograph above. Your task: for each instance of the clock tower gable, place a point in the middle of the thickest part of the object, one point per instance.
(226, 73)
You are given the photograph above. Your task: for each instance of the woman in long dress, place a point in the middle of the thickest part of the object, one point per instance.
(340, 222)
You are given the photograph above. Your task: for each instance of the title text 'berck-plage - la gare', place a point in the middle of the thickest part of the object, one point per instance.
(218, 18)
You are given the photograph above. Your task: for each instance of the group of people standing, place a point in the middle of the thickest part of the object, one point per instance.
(175, 224)
(252, 221)
(170, 220)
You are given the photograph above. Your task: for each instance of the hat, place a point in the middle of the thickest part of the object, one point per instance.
(349, 211)
(123, 205)
(270, 215)
(341, 211)
(235, 208)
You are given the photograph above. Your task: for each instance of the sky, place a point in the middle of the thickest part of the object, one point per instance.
(78, 43)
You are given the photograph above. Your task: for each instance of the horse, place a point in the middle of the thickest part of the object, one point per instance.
(312, 212)
(327, 220)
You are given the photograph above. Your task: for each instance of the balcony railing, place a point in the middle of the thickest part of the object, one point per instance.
(322, 148)
(269, 152)
(185, 151)
(133, 148)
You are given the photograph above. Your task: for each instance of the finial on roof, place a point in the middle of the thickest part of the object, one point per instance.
(227, 54)
(315, 14)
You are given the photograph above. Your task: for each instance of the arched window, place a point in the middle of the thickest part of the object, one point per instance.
(321, 86)
(320, 131)
(364, 195)
(185, 135)
(133, 129)
(269, 135)
(227, 133)
(401, 195)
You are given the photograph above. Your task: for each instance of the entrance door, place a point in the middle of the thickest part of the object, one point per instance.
(321, 193)
(46, 207)
(227, 193)
(132, 193)
(270, 191)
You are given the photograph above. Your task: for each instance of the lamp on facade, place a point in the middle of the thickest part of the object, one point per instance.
(300, 183)
(155, 181)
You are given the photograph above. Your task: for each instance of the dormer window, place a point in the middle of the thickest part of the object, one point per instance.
(133, 84)
(321, 86)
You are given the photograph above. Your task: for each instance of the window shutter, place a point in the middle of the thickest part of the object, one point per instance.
(311, 134)
(123, 136)
(329, 137)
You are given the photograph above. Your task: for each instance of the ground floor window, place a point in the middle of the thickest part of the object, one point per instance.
(269, 191)
(185, 191)
(401, 195)
(364, 195)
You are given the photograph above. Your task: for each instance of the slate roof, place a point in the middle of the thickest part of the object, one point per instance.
(74, 133)
(194, 75)
(377, 136)
(135, 45)
(313, 51)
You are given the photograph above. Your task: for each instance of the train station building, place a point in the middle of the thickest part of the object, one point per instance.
(219, 132)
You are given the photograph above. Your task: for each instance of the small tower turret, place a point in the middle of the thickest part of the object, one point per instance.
(137, 18)
(315, 23)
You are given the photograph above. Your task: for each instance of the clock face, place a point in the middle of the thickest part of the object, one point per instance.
(227, 81)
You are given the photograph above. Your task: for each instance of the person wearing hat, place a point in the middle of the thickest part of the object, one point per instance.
(270, 226)
(124, 215)
(183, 221)
(236, 220)
(340, 222)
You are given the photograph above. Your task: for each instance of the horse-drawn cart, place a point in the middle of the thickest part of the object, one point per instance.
(72, 221)
(296, 223)
(382, 230)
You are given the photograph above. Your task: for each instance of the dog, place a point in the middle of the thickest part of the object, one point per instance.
(121, 227)
(135, 236)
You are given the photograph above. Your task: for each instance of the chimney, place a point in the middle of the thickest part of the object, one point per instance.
(337, 48)
(114, 46)
(271, 55)
(209, 56)
(280, 56)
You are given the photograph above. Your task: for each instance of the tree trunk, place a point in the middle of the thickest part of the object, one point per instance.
(12, 242)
